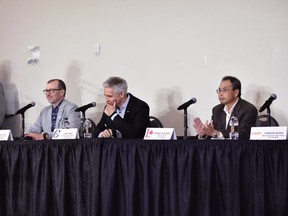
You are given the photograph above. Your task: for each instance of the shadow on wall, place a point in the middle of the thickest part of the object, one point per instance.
(2, 105)
(78, 86)
(257, 95)
(11, 99)
(72, 81)
(170, 117)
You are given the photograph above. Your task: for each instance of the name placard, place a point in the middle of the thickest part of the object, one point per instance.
(160, 134)
(268, 133)
(71, 133)
(6, 135)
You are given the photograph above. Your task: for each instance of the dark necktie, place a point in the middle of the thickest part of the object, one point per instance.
(54, 117)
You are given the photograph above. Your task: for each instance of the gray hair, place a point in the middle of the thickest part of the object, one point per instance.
(117, 83)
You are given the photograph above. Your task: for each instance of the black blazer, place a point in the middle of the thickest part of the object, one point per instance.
(134, 123)
(244, 111)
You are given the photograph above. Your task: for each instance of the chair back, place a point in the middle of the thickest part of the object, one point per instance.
(262, 121)
(155, 122)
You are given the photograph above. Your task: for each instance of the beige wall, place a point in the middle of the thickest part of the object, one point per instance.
(169, 51)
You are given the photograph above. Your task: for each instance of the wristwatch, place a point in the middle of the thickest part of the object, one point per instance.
(45, 136)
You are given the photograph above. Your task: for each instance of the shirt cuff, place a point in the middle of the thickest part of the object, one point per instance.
(114, 114)
(201, 138)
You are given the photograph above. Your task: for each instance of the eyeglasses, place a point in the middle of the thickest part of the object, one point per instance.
(224, 90)
(50, 91)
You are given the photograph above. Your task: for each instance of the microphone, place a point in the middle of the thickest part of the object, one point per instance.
(268, 102)
(23, 109)
(85, 107)
(8, 116)
(187, 104)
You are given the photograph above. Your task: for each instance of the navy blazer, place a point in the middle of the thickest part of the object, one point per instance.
(133, 125)
(243, 110)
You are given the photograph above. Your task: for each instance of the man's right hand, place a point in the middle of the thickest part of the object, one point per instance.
(110, 109)
(35, 136)
(198, 125)
(107, 133)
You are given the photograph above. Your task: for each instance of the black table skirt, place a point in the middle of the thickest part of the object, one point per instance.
(144, 178)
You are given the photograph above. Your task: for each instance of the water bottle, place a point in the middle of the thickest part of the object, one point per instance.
(234, 123)
(87, 126)
(66, 124)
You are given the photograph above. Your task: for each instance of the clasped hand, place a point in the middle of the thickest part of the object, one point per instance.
(206, 129)
(109, 110)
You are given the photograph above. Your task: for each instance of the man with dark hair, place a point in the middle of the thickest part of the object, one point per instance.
(231, 104)
(124, 116)
(52, 116)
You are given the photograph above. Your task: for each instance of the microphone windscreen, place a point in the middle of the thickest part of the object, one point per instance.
(274, 96)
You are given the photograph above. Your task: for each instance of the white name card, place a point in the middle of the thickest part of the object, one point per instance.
(268, 133)
(160, 134)
(6, 135)
(71, 133)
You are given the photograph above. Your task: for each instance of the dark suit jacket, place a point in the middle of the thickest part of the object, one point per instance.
(244, 111)
(134, 123)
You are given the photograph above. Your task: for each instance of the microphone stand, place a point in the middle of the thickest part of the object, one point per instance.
(83, 118)
(269, 116)
(23, 137)
(23, 124)
(185, 124)
(83, 113)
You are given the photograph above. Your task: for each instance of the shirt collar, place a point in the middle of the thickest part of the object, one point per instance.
(57, 107)
(123, 108)
(232, 108)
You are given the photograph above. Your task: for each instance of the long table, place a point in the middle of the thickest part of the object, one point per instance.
(119, 177)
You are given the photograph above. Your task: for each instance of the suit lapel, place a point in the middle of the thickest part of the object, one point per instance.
(223, 119)
(237, 108)
(129, 106)
(236, 111)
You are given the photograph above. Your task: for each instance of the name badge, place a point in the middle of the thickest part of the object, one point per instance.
(268, 133)
(71, 133)
(160, 134)
(6, 135)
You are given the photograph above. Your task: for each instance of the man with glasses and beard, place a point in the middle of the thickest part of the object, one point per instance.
(52, 116)
(231, 104)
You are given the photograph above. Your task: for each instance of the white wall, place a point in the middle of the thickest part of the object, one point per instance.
(169, 51)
